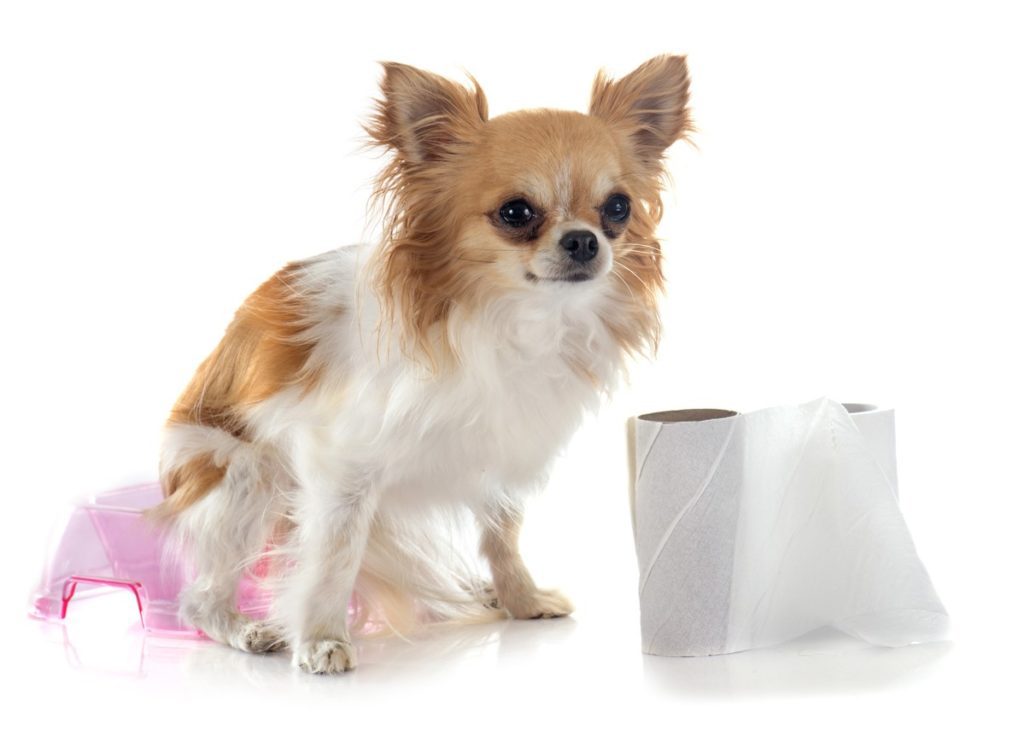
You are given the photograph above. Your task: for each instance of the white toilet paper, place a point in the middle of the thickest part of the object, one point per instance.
(753, 529)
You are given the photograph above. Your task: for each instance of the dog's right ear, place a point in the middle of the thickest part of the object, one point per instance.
(423, 116)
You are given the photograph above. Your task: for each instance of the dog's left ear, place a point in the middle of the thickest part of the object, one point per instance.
(649, 104)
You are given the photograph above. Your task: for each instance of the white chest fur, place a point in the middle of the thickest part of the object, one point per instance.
(496, 421)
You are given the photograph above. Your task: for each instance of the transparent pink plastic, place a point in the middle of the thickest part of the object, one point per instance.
(108, 544)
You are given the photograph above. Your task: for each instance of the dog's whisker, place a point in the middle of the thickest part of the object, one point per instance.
(623, 283)
(639, 279)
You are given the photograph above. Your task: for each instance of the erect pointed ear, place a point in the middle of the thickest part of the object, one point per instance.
(649, 104)
(424, 116)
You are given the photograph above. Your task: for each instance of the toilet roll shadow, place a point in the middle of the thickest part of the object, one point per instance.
(822, 662)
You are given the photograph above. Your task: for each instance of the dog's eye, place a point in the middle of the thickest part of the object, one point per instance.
(516, 213)
(616, 209)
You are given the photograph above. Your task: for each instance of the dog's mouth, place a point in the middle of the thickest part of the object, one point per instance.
(574, 277)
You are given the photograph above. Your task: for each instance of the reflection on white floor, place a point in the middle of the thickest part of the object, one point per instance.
(819, 663)
(102, 636)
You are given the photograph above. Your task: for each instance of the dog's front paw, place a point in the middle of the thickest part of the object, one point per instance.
(540, 603)
(325, 657)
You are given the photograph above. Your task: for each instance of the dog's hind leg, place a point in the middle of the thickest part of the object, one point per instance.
(221, 534)
(514, 586)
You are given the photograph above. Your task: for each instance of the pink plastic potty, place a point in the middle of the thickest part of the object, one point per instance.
(109, 544)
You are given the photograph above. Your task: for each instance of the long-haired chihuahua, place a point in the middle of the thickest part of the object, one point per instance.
(358, 394)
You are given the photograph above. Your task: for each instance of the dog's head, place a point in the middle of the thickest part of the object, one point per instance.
(535, 201)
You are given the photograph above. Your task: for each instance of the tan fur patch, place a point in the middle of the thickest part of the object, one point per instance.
(265, 349)
(638, 272)
(429, 124)
(188, 483)
(647, 110)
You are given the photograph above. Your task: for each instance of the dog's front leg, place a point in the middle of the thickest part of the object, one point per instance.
(513, 584)
(333, 529)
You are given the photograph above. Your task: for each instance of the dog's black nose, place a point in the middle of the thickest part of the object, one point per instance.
(581, 245)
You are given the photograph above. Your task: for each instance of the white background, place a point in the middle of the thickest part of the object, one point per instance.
(848, 224)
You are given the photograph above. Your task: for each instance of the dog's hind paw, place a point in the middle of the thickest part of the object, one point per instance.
(488, 597)
(541, 603)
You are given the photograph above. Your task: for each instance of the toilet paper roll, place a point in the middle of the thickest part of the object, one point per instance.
(753, 529)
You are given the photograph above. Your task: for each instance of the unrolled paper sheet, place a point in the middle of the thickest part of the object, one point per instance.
(753, 529)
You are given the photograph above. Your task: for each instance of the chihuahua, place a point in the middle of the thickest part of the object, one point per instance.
(360, 394)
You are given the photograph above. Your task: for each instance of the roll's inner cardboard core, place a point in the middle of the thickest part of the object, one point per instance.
(687, 416)
(854, 408)
(697, 415)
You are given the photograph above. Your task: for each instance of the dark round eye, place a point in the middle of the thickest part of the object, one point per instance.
(516, 213)
(616, 209)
